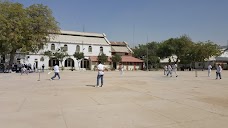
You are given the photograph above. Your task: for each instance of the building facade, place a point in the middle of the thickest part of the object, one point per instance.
(91, 44)
(129, 62)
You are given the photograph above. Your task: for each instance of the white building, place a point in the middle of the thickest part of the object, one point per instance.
(91, 44)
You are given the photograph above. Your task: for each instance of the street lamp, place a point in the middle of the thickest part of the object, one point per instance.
(147, 58)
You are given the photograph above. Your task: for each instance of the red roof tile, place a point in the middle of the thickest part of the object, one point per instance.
(130, 59)
(94, 59)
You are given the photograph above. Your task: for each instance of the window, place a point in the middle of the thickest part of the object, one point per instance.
(65, 48)
(77, 48)
(52, 46)
(101, 49)
(90, 49)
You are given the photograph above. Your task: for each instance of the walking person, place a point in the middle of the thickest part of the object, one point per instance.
(121, 69)
(56, 71)
(209, 70)
(100, 74)
(165, 70)
(218, 71)
(175, 69)
(169, 70)
(43, 68)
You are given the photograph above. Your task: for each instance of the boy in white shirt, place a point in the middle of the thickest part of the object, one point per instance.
(218, 71)
(56, 71)
(209, 70)
(100, 75)
(175, 69)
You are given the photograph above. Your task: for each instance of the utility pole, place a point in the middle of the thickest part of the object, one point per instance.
(147, 55)
(147, 59)
(83, 53)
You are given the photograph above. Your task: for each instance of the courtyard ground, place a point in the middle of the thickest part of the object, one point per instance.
(135, 100)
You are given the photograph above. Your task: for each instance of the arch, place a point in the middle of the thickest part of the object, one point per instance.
(90, 49)
(77, 48)
(53, 61)
(52, 46)
(85, 64)
(69, 62)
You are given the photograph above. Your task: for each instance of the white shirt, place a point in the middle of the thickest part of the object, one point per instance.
(100, 68)
(174, 66)
(56, 68)
(209, 67)
(165, 67)
(169, 68)
(219, 69)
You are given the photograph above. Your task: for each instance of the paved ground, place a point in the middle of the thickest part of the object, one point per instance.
(135, 100)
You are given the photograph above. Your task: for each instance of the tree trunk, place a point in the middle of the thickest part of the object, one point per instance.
(12, 56)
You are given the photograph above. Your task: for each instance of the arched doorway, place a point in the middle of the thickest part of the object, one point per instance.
(85, 64)
(69, 63)
(52, 62)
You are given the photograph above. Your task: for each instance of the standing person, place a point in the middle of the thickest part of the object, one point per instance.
(218, 71)
(169, 70)
(100, 74)
(34, 67)
(209, 70)
(56, 71)
(43, 68)
(175, 69)
(121, 69)
(165, 70)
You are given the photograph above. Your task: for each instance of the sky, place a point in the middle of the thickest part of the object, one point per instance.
(142, 21)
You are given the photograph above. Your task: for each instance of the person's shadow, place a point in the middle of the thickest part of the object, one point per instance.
(91, 85)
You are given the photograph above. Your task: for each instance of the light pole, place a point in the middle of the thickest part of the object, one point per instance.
(147, 54)
(147, 59)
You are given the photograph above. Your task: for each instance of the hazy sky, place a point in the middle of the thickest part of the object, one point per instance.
(136, 21)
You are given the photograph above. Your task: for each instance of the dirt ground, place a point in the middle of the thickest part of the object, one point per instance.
(138, 99)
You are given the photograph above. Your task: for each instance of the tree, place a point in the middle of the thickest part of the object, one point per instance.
(102, 58)
(202, 51)
(150, 50)
(25, 29)
(59, 55)
(116, 59)
(79, 56)
(175, 46)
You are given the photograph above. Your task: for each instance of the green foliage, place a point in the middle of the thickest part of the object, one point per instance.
(25, 28)
(116, 58)
(175, 46)
(48, 53)
(78, 55)
(102, 58)
(150, 50)
(59, 55)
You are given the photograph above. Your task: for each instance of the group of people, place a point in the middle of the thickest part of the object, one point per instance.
(169, 70)
(218, 71)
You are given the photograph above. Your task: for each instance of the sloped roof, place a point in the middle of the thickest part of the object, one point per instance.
(123, 49)
(130, 59)
(118, 43)
(80, 37)
(94, 59)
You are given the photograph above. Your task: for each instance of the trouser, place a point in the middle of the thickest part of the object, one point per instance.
(165, 72)
(218, 74)
(169, 72)
(175, 71)
(56, 74)
(98, 79)
(209, 72)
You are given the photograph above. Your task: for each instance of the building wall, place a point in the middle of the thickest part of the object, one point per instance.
(32, 58)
